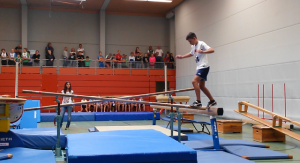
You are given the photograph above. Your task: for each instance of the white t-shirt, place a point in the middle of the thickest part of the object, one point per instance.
(67, 100)
(80, 50)
(3, 55)
(160, 51)
(131, 58)
(12, 56)
(25, 55)
(200, 58)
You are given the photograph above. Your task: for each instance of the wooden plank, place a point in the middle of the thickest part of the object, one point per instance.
(86, 71)
(122, 71)
(245, 121)
(69, 71)
(269, 124)
(104, 71)
(30, 70)
(9, 69)
(175, 98)
(139, 72)
(212, 111)
(269, 112)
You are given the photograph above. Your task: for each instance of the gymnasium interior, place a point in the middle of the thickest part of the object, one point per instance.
(116, 68)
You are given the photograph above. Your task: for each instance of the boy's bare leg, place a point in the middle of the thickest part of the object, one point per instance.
(196, 85)
(205, 90)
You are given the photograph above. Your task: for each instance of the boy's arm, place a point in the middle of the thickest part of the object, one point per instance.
(184, 56)
(210, 50)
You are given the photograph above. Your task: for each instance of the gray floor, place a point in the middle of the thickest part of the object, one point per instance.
(291, 146)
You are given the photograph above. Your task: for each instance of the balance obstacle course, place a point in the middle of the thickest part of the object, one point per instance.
(276, 126)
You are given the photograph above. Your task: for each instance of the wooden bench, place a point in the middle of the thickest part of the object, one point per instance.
(230, 126)
(263, 133)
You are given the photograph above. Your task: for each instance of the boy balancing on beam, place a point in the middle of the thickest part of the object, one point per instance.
(199, 49)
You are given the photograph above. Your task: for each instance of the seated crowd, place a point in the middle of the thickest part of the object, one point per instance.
(136, 59)
(112, 106)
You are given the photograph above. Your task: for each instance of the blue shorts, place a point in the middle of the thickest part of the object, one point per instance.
(202, 73)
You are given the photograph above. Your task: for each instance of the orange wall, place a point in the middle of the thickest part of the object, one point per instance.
(124, 84)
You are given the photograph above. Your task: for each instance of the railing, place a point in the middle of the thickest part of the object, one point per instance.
(75, 66)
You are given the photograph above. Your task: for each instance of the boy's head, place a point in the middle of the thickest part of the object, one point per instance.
(131, 54)
(25, 49)
(192, 38)
(80, 45)
(80, 53)
(18, 55)
(87, 57)
(100, 53)
(119, 51)
(2, 50)
(12, 50)
(36, 52)
(66, 49)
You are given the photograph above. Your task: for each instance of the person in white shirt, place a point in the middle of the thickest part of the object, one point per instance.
(66, 100)
(12, 56)
(200, 50)
(65, 56)
(159, 59)
(80, 49)
(4, 57)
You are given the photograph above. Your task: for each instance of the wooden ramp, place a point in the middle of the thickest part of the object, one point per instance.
(276, 126)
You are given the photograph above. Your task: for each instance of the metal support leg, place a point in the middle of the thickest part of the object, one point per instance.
(58, 120)
(179, 116)
(215, 135)
(154, 116)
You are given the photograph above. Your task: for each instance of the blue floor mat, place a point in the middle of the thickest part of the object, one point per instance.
(40, 138)
(77, 116)
(127, 146)
(183, 129)
(208, 144)
(199, 136)
(255, 153)
(125, 116)
(219, 157)
(27, 155)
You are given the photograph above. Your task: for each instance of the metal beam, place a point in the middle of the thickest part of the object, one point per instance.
(104, 5)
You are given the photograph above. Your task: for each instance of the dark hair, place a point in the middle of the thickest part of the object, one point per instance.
(87, 57)
(65, 87)
(80, 44)
(136, 50)
(191, 35)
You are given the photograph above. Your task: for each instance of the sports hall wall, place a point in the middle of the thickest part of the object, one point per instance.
(255, 42)
(123, 32)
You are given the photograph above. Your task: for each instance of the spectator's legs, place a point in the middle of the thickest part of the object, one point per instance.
(62, 113)
(69, 109)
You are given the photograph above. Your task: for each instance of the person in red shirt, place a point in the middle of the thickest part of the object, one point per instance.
(119, 58)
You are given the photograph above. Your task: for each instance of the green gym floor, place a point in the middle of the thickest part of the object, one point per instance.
(291, 146)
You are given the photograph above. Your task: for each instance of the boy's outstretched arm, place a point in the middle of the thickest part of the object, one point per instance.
(184, 56)
(210, 50)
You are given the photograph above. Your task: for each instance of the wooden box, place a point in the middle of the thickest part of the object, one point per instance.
(229, 126)
(263, 133)
(186, 116)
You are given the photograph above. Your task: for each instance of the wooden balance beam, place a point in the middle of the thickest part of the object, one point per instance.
(175, 98)
(272, 124)
(201, 110)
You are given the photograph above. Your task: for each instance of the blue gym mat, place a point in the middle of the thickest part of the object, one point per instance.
(76, 116)
(219, 157)
(27, 155)
(183, 129)
(199, 136)
(9, 140)
(40, 138)
(125, 116)
(208, 144)
(127, 146)
(254, 153)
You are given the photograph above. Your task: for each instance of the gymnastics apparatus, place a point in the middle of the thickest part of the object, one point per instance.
(12, 111)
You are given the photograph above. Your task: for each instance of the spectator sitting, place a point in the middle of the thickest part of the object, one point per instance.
(150, 51)
(65, 56)
(137, 51)
(50, 58)
(36, 58)
(142, 105)
(12, 56)
(101, 59)
(146, 60)
(83, 107)
(87, 61)
(72, 57)
(138, 60)
(134, 105)
(25, 57)
(49, 47)
(80, 49)
(91, 106)
(18, 59)
(171, 60)
(4, 57)
(152, 61)
(80, 57)
(18, 49)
